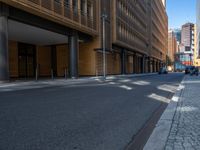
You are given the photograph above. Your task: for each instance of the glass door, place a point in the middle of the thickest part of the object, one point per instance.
(27, 57)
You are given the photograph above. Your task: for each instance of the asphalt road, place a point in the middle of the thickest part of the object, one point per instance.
(93, 116)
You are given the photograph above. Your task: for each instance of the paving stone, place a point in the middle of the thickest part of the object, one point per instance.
(185, 131)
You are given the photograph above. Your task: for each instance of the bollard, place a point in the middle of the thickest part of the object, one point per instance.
(52, 77)
(96, 72)
(65, 73)
(36, 74)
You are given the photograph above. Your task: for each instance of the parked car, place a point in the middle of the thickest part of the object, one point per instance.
(179, 70)
(194, 71)
(163, 70)
(188, 68)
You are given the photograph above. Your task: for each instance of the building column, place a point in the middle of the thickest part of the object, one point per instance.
(73, 55)
(149, 65)
(54, 60)
(4, 60)
(153, 66)
(143, 64)
(140, 64)
(133, 64)
(123, 62)
(156, 66)
(136, 64)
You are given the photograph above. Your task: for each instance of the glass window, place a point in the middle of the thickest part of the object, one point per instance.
(89, 9)
(83, 3)
(75, 6)
(67, 3)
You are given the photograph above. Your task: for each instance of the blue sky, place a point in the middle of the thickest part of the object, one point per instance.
(180, 12)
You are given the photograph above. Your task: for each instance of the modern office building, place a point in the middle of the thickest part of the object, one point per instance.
(172, 45)
(158, 38)
(177, 34)
(61, 38)
(196, 52)
(187, 39)
(198, 26)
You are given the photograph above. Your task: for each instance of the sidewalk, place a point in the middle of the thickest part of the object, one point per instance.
(179, 126)
(34, 84)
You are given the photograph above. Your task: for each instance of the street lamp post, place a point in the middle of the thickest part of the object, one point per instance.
(104, 17)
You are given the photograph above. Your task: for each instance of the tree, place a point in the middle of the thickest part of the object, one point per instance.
(169, 61)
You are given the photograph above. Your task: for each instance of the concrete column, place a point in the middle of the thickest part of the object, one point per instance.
(152, 65)
(4, 61)
(143, 64)
(139, 64)
(123, 62)
(54, 60)
(73, 55)
(133, 64)
(156, 66)
(149, 65)
(136, 65)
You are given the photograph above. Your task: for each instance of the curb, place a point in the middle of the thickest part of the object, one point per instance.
(33, 84)
(83, 79)
(160, 134)
(128, 76)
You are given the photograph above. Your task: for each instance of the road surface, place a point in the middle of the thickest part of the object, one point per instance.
(93, 116)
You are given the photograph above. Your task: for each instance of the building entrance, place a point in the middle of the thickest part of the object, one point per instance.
(27, 60)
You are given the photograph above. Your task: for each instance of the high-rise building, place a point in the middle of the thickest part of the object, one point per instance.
(164, 2)
(195, 46)
(65, 37)
(158, 28)
(172, 45)
(177, 34)
(196, 52)
(187, 40)
(187, 37)
(198, 27)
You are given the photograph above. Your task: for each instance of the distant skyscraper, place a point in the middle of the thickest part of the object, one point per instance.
(187, 43)
(177, 34)
(172, 45)
(187, 37)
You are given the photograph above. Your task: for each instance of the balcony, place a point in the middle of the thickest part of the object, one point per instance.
(60, 12)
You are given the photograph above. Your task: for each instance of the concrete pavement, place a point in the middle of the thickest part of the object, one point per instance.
(178, 128)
